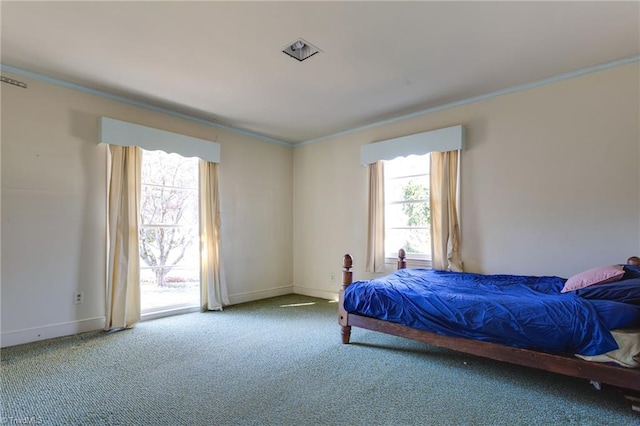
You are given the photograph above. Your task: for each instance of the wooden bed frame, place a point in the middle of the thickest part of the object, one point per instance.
(625, 378)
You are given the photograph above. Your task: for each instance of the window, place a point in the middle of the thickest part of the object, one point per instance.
(169, 229)
(407, 212)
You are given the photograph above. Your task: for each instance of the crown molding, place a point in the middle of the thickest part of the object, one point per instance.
(139, 104)
(514, 89)
(519, 88)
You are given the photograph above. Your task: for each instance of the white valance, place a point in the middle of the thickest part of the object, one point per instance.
(122, 133)
(441, 140)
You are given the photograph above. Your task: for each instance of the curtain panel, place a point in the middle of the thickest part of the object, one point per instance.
(123, 273)
(375, 230)
(213, 288)
(445, 212)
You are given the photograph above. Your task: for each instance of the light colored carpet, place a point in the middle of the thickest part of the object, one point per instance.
(280, 362)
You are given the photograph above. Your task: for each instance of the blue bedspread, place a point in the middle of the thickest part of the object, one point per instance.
(520, 311)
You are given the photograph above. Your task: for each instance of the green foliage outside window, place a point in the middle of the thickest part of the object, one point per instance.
(418, 214)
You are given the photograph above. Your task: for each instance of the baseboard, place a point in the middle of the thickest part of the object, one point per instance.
(234, 299)
(312, 292)
(28, 335)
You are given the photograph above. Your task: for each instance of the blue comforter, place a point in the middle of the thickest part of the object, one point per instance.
(520, 311)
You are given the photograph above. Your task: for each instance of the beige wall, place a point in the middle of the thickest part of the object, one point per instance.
(550, 182)
(550, 185)
(53, 209)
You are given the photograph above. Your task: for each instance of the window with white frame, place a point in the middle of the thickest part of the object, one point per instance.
(407, 211)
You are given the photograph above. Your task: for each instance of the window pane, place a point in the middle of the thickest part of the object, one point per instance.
(161, 168)
(406, 166)
(168, 206)
(407, 215)
(162, 247)
(413, 241)
(181, 288)
(173, 278)
(409, 188)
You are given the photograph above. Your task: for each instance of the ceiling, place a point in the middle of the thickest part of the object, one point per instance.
(223, 61)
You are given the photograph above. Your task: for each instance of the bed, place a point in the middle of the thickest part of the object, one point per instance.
(456, 318)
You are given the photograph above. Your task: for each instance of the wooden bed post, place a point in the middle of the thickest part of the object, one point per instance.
(347, 278)
(402, 264)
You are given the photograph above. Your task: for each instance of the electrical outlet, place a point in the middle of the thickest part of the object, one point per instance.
(78, 298)
(333, 278)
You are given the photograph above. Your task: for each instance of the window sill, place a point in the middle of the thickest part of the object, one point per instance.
(167, 312)
(411, 263)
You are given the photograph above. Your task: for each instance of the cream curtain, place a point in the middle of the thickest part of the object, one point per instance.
(445, 213)
(375, 231)
(213, 293)
(123, 274)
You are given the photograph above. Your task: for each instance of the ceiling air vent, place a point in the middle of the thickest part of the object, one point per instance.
(301, 50)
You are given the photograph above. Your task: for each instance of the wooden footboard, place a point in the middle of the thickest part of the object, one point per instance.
(562, 364)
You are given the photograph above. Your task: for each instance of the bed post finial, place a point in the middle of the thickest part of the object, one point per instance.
(347, 275)
(633, 260)
(402, 264)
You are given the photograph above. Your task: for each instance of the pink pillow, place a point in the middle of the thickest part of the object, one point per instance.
(599, 275)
